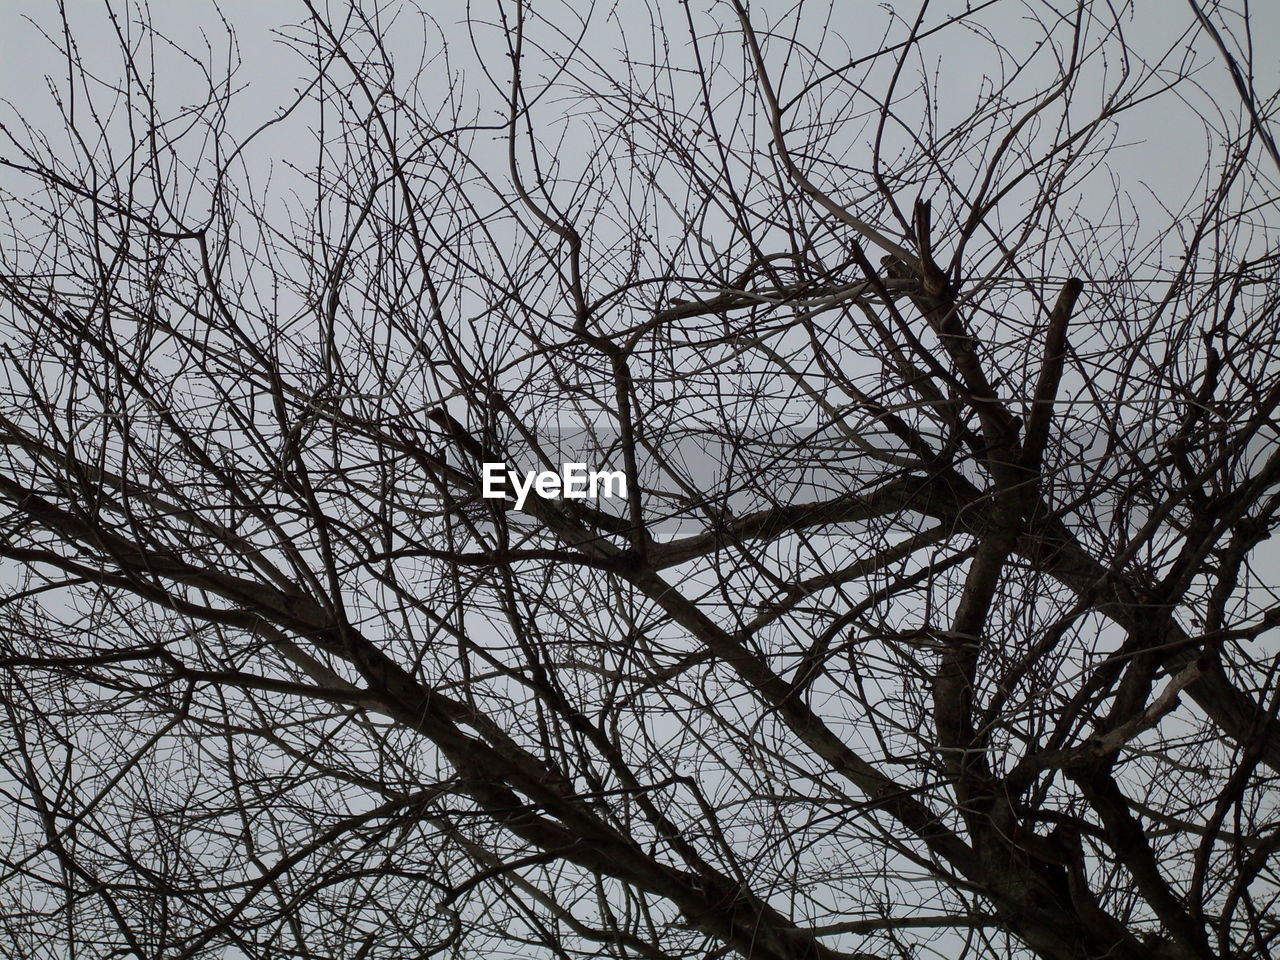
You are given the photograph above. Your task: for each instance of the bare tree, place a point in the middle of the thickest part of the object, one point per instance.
(937, 617)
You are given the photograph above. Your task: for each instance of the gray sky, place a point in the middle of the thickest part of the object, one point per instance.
(1160, 159)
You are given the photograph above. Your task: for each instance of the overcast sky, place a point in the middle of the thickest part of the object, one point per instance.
(1161, 153)
(465, 44)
